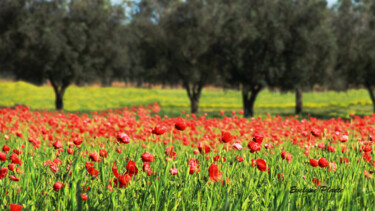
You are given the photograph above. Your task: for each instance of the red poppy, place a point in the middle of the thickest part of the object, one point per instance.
(58, 185)
(92, 171)
(283, 154)
(77, 141)
(226, 137)
(70, 151)
(11, 166)
(261, 164)
(123, 138)
(5, 148)
(289, 157)
(103, 153)
(253, 146)
(173, 171)
(131, 168)
(204, 148)
(122, 180)
(58, 144)
(84, 197)
(331, 149)
(193, 166)
(14, 158)
(258, 138)
(214, 173)
(94, 156)
(180, 124)
(147, 168)
(159, 130)
(15, 207)
(14, 178)
(3, 156)
(239, 158)
(3, 172)
(316, 182)
(314, 162)
(323, 162)
(147, 157)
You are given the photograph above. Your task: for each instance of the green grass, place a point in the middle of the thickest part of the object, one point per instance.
(173, 101)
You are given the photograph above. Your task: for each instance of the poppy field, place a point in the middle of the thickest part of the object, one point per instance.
(134, 159)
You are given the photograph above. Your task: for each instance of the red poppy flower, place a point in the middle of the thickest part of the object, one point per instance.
(237, 146)
(253, 146)
(193, 165)
(70, 151)
(214, 173)
(289, 157)
(147, 157)
(131, 168)
(14, 158)
(261, 164)
(123, 138)
(58, 144)
(314, 162)
(3, 172)
(258, 138)
(15, 207)
(204, 148)
(173, 171)
(159, 130)
(147, 168)
(77, 141)
(94, 156)
(122, 180)
(239, 158)
(3, 156)
(283, 154)
(92, 171)
(84, 197)
(180, 124)
(103, 153)
(58, 185)
(5, 149)
(344, 138)
(331, 149)
(14, 178)
(11, 166)
(323, 162)
(226, 137)
(316, 182)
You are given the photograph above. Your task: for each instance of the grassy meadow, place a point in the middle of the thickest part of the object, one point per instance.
(173, 101)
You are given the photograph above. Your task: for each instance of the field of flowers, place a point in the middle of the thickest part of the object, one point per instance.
(128, 159)
(172, 101)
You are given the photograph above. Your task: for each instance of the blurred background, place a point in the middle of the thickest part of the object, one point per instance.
(306, 57)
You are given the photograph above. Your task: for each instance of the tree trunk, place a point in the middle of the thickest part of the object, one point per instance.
(194, 93)
(59, 104)
(194, 105)
(298, 100)
(140, 83)
(249, 101)
(372, 96)
(59, 94)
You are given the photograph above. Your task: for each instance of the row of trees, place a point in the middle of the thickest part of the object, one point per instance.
(248, 44)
